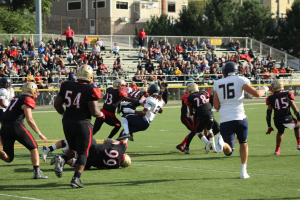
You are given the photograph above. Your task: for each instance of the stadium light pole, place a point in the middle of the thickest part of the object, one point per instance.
(38, 21)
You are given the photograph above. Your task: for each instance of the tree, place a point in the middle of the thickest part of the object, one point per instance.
(162, 25)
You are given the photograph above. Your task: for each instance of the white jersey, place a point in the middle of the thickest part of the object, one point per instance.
(12, 93)
(5, 94)
(153, 105)
(231, 94)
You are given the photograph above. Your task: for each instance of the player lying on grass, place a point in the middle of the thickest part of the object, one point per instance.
(281, 102)
(14, 129)
(228, 99)
(109, 155)
(187, 120)
(58, 145)
(203, 117)
(135, 121)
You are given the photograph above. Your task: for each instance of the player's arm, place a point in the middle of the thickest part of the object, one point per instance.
(58, 104)
(28, 114)
(254, 92)
(268, 118)
(2, 103)
(143, 112)
(104, 97)
(111, 141)
(133, 100)
(93, 108)
(217, 104)
(295, 109)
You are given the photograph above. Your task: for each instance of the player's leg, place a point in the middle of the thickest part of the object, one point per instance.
(7, 155)
(133, 123)
(279, 137)
(188, 122)
(297, 133)
(47, 150)
(113, 121)
(98, 124)
(26, 139)
(225, 140)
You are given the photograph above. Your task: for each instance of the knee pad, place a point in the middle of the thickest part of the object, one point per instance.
(63, 143)
(230, 153)
(81, 160)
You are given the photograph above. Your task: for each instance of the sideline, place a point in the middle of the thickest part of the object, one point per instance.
(21, 197)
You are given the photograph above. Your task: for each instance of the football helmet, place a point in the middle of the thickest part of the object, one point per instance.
(5, 82)
(276, 86)
(85, 73)
(154, 89)
(30, 89)
(230, 68)
(119, 84)
(191, 88)
(127, 161)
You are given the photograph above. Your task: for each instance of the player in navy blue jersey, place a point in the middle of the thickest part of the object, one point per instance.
(281, 102)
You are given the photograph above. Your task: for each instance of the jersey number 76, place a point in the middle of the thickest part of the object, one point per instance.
(227, 91)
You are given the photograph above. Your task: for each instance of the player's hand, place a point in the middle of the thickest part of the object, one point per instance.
(265, 88)
(270, 129)
(129, 110)
(209, 91)
(43, 138)
(143, 98)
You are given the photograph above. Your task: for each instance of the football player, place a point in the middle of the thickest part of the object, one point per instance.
(134, 121)
(114, 95)
(14, 129)
(5, 95)
(59, 144)
(203, 116)
(187, 120)
(109, 155)
(281, 102)
(228, 99)
(81, 101)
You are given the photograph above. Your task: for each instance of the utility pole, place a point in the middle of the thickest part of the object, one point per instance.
(38, 22)
(96, 17)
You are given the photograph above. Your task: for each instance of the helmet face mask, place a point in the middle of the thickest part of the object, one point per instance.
(127, 161)
(191, 88)
(30, 89)
(85, 73)
(276, 86)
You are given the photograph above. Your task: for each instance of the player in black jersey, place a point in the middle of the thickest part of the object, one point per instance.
(14, 129)
(109, 155)
(114, 95)
(281, 102)
(187, 120)
(81, 101)
(203, 116)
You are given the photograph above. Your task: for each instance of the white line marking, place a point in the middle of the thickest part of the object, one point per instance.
(21, 197)
(44, 111)
(210, 170)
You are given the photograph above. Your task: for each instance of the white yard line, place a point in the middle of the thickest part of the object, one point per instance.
(21, 197)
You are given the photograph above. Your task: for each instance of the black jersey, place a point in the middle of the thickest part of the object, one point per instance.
(200, 104)
(14, 111)
(280, 102)
(113, 98)
(133, 95)
(109, 156)
(76, 97)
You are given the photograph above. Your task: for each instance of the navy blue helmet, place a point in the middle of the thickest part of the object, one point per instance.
(5, 82)
(154, 89)
(230, 68)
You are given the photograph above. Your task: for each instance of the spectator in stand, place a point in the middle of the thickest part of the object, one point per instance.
(193, 46)
(24, 47)
(179, 49)
(81, 48)
(102, 79)
(263, 62)
(141, 54)
(185, 55)
(282, 64)
(288, 69)
(193, 56)
(99, 43)
(121, 71)
(159, 57)
(248, 73)
(41, 94)
(86, 42)
(133, 86)
(142, 37)
(14, 54)
(72, 75)
(163, 49)
(140, 66)
(270, 65)
(50, 65)
(42, 60)
(269, 57)
(250, 53)
(208, 57)
(157, 45)
(52, 42)
(30, 77)
(1, 48)
(62, 70)
(41, 49)
(244, 51)
(14, 43)
(203, 45)
(31, 49)
(167, 44)
(282, 70)
(69, 37)
(208, 44)
(38, 77)
(58, 43)
(69, 56)
(178, 73)
(241, 69)
(185, 45)
(214, 56)
(236, 57)
(149, 66)
(172, 75)
(237, 45)
(156, 51)
(249, 64)
(232, 46)
(267, 76)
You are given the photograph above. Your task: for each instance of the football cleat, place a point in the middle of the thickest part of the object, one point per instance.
(219, 143)
(59, 166)
(76, 183)
(45, 152)
(53, 159)
(298, 147)
(207, 147)
(180, 147)
(186, 150)
(244, 174)
(124, 136)
(277, 153)
(65, 149)
(213, 145)
(37, 174)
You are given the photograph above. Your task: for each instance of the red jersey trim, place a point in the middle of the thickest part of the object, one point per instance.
(122, 93)
(96, 93)
(30, 102)
(267, 101)
(186, 102)
(107, 113)
(183, 97)
(292, 97)
(123, 159)
(90, 140)
(123, 142)
(30, 136)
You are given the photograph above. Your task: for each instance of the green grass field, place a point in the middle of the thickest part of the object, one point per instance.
(159, 170)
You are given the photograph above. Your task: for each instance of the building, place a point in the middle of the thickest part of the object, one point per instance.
(114, 16)
(278, 7)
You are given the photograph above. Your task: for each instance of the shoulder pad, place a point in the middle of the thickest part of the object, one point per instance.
(96, 93)
(30, 102)
(122, 93)
(292, 97)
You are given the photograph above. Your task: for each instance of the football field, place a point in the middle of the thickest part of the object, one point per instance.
(159, 170)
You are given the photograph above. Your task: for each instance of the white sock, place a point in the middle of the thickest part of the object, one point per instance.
(54, 146)
(73, 163)
(125, 125)
(66, 142)
(204, 139)
(212, 140)
(244, 166)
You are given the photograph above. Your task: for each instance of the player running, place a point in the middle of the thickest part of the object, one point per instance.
(228, 99)
(81, 100)
(281, 102)
(109, 155)
(135, 121)
(5, 95)
(114, 95)
(203, 116)
(14, 129)
(58, 145)
(187, 120)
